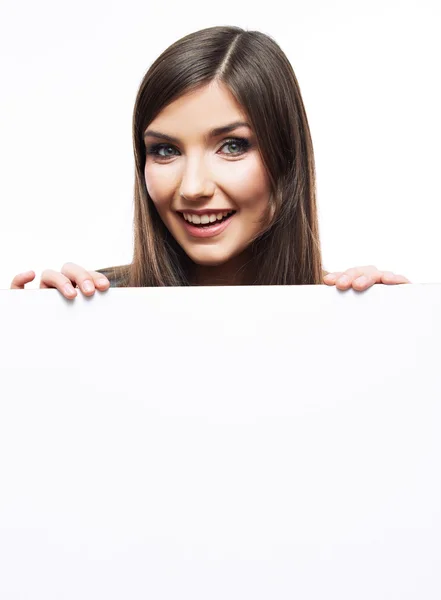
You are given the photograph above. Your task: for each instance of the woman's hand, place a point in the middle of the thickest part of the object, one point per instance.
(361, 278)
(64, 281)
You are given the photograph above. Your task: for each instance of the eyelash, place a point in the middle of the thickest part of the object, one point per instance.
(243, 144)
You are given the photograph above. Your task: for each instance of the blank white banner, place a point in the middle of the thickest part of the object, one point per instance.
(213, 443)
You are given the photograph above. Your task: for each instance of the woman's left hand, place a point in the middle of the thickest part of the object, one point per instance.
(361, 278)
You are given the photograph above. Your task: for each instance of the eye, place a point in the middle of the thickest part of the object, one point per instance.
(237, 145)
(162, 152)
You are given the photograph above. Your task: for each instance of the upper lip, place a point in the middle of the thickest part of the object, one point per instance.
(204, 211)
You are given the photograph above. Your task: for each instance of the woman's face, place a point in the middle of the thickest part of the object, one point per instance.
(205, 175)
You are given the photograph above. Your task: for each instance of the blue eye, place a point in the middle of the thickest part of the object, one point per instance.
(241, 145)
(163, 151)
(156, 150)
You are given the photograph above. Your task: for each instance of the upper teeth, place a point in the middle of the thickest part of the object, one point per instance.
(203, 219)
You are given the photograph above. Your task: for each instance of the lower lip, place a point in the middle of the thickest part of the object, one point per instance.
(210, 231)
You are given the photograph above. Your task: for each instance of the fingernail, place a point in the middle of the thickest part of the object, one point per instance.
(102, 282)
(330, 277)
(69, 289)
(361, 280)
(87, 286)
(343, 280)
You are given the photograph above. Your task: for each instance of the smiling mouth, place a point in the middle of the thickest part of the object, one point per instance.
(206, 221)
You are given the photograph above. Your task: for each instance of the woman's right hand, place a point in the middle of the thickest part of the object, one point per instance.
(64, 281)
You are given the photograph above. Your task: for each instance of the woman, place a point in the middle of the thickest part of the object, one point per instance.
(224, 177)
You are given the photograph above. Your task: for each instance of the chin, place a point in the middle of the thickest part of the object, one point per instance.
(211, 259)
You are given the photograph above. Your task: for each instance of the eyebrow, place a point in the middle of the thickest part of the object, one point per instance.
(213, 133)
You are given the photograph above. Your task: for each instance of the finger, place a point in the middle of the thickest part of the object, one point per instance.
(390, 278)
(386, 277)
(331, 278)
(363, 282)
(344, 281)
(370, 272)
(79, 276)
(54, 279)
(101, 282)
(20, 280)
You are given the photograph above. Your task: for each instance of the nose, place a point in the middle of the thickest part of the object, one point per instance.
(197, 181)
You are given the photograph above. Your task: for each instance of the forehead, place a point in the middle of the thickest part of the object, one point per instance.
(199, 110)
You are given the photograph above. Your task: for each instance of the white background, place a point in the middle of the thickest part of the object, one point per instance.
(369, 75)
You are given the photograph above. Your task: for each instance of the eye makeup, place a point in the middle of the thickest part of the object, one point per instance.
(154, 150)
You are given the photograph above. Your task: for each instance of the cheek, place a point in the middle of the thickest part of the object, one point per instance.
(249, 185)
(160, 183)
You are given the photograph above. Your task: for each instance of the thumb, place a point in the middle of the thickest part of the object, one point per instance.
(20, 280)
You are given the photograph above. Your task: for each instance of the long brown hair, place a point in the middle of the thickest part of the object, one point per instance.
(260, 77)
